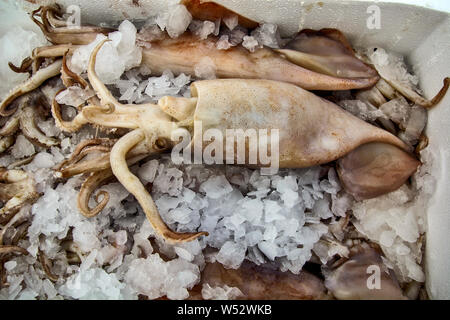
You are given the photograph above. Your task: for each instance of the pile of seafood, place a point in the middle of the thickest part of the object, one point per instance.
(94, 207)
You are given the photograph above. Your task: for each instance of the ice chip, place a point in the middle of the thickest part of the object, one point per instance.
(231, 254)
(250, 43)
(22, 148)
(178, 21)
(269, 249)
(216, 187)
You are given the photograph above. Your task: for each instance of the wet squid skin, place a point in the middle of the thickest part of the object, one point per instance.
(209, 10)
(363, 277)
(238, 62)
(261, 283)
(314, 60)
(312, 130)
(57, 31)
(167, 53)
(375, 169)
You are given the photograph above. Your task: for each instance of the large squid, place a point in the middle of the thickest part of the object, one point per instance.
(312, 131)
(322, 60)
(168, 53)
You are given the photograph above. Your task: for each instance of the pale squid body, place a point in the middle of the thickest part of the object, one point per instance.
(311, 130)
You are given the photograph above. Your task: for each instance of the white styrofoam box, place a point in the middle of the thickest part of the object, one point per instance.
(418, 29)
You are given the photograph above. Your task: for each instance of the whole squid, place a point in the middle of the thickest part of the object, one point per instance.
(311, 131)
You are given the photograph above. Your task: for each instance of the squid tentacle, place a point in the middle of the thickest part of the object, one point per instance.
(75, 164)
(416, 98)
(133, 185)
(5, 143)
(100, 89)
(51, 19)
(12, 249)
(53, 51)
(25, 119)
(95, 180)
(71, 77)
(386, 89)
(31, 131)
(92, 142)
(39, 53)
(31, 84)
(21, 162)
(16, 189)
(43, 260)
(10, 127)
(24, 66)
(72, 166)
(85, 152)
(69, 126)
(59, 33)
(87, 188)
(112, 113)
(17, 220)
(92, 165)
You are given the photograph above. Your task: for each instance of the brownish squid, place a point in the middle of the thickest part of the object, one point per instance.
(363, 276)
(166, 53)
(313, 131)
(262, 283)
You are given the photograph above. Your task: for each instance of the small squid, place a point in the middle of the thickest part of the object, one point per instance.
(312, 130)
